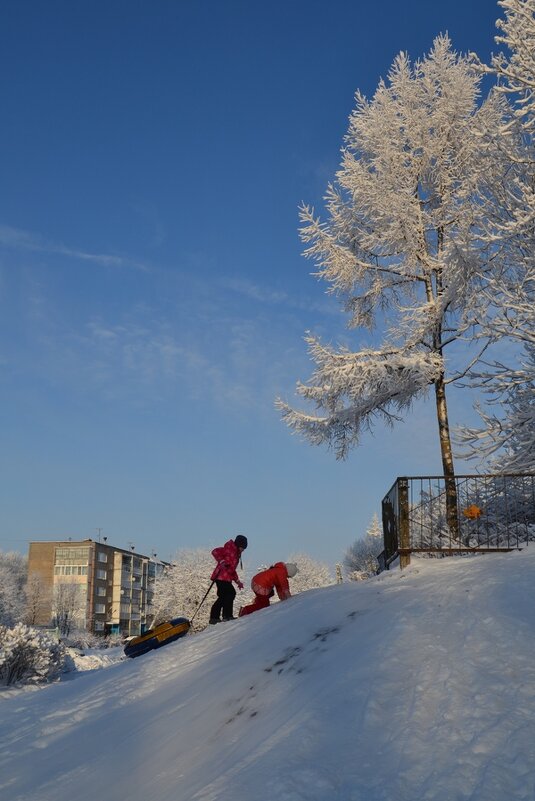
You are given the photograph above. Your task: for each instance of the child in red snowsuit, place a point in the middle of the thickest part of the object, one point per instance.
(265, 584)
(227, 558)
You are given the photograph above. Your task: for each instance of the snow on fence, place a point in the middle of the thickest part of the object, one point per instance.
(491, 513)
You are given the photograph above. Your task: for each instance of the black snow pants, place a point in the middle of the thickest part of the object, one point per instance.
(225, 600)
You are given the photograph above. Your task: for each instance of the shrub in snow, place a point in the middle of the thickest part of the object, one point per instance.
(85, 639)
(361, 560)
(30, 656)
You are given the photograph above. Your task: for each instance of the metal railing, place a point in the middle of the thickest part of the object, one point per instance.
(492, 513)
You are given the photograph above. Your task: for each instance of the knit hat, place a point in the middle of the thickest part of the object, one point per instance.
(241, 542)
(291, 569)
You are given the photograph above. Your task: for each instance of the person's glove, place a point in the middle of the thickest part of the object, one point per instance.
(240, 585)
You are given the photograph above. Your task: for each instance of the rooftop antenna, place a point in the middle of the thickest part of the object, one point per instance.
(99, 530)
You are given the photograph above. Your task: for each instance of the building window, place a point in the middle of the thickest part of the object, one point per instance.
(101, 574)
(100, 609)
(70, 570)
(102, 557)
(101, 591)
(72, 555)
(99, 625)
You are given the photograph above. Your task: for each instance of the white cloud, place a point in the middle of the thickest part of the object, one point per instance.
(19, 239)
(264, 294)
(254, 291)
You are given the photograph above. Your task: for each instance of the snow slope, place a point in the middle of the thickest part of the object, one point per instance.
(415, 686)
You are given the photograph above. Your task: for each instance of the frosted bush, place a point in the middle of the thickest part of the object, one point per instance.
(85, 639)
(361, 558)
(29, 656)
(311, 574)
(181, 587)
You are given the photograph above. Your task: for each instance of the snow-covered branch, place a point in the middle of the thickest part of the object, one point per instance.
(508, 435)
(355, 388)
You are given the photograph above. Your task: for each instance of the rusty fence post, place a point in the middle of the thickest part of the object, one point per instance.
(403, 517)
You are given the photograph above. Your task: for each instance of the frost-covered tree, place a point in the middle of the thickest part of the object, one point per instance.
(516, 68)
(36, 597)
(406, 247)
(182, 586)
(69, 607)
(13, 569)
(515, 71)
(506, 441)
(375, 530)
(507, 436)
(311, 574)
(361, 558)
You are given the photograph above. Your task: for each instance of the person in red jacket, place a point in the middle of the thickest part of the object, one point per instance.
(227, 558)
(267, 583)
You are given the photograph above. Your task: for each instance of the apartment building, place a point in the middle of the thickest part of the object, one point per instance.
(105, 589)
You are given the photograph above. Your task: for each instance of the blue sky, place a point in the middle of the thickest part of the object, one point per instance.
(153, 299)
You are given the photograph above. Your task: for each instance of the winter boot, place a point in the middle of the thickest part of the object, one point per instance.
(229, 618)
(214, 620)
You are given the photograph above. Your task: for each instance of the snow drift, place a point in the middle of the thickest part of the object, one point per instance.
(413, 685)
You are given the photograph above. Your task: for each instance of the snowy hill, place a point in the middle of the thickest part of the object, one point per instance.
(414, 686)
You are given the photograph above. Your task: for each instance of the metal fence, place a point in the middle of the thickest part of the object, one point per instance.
(490, 513)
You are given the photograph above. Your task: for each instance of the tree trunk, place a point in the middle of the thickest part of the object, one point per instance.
(447, 457)
(442, 410)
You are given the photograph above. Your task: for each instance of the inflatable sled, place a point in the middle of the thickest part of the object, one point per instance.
(163, 634)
